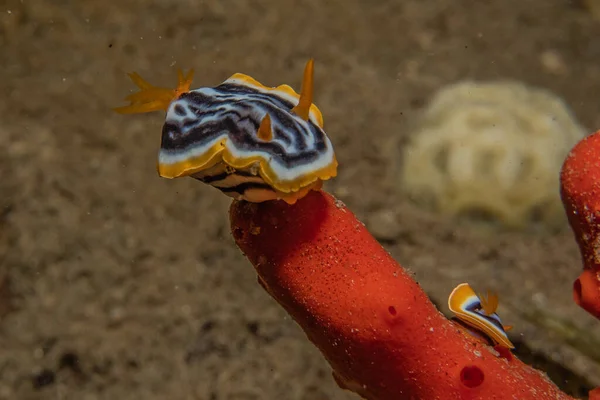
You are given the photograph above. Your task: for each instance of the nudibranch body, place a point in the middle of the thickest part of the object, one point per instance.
(250, 141)
(479, 314)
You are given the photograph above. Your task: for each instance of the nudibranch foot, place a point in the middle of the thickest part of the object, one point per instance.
(246, 184)
(476, 333)
(479, 314)
(152, 98)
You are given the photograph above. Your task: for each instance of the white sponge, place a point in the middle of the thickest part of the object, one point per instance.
(492, 148)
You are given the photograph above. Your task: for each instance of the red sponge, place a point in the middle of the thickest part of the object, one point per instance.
(580, 190)
(377, 328)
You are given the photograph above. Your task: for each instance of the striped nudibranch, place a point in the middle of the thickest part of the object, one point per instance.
(250, 141)
(479, 314)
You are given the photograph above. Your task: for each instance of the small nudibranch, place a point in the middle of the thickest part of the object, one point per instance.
(479, 313)
(250, 141)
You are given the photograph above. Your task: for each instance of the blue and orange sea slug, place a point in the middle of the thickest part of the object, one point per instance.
(250, 141)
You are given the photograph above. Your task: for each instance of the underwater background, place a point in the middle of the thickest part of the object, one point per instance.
(117, 284)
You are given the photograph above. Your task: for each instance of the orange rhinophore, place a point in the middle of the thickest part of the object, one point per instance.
(580, 191)
(379, 331)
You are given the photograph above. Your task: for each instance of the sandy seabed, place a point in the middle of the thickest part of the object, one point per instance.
(117, 284)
